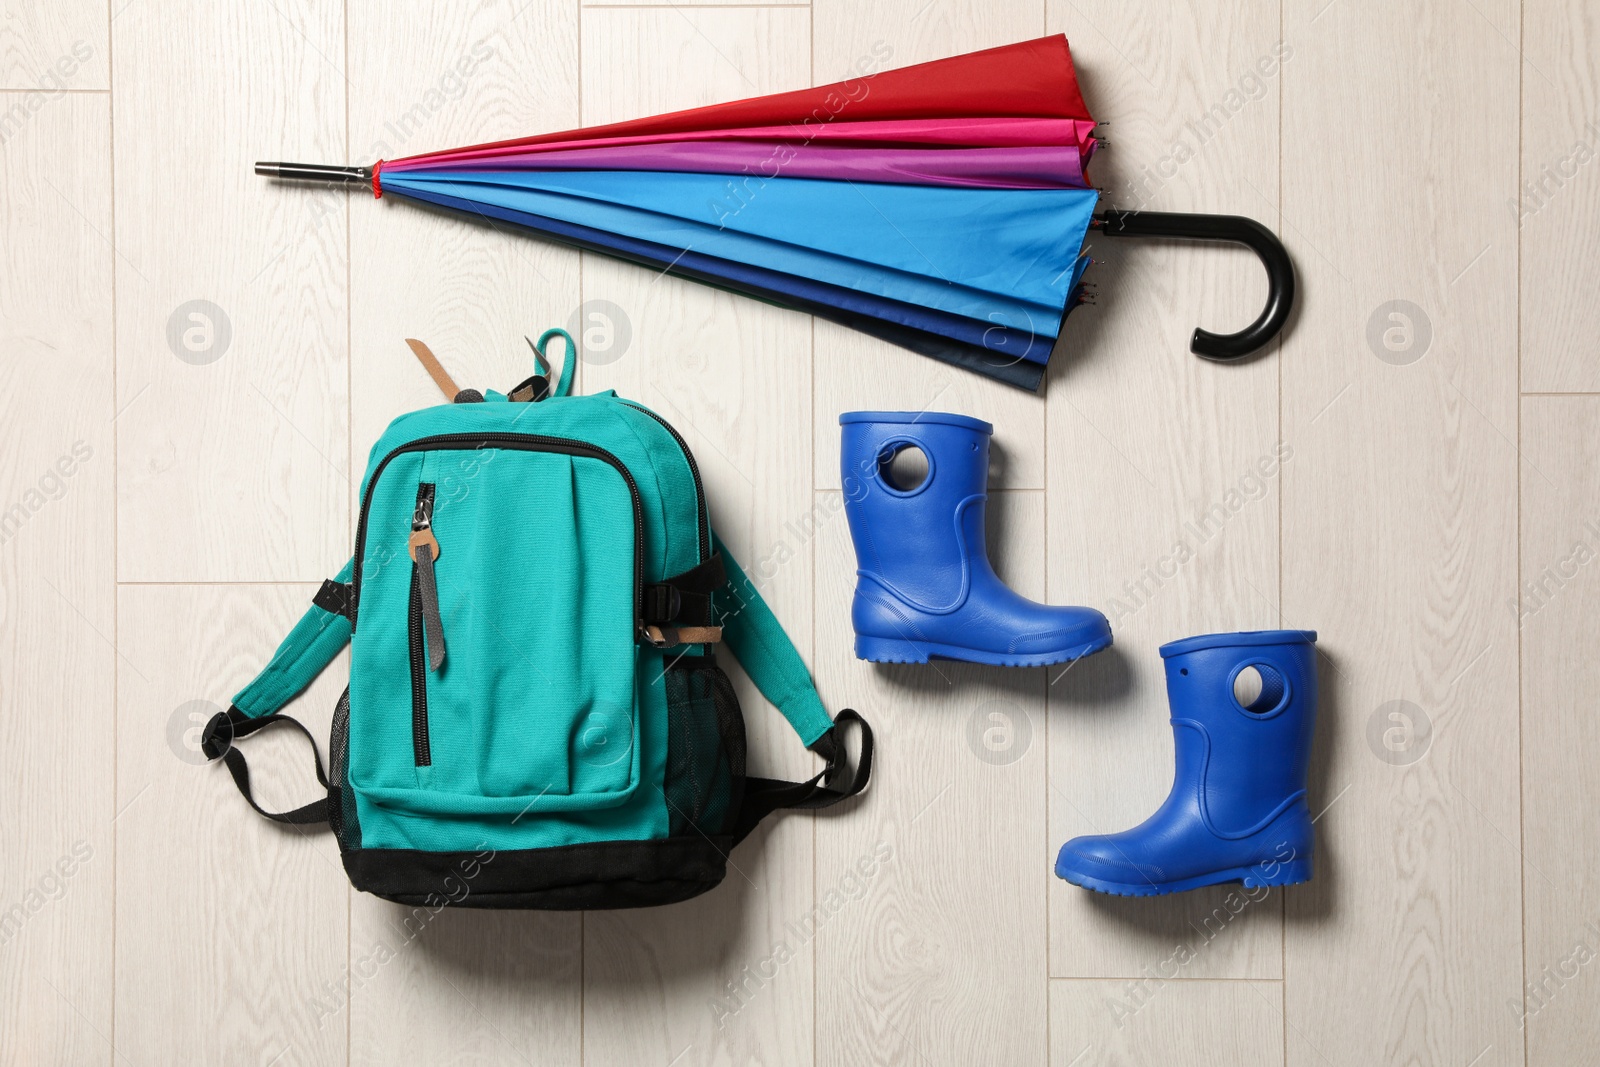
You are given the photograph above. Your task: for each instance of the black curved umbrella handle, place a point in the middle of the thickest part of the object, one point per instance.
(1240, 230)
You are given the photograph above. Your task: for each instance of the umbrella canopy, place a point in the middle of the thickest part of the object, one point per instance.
(943, 206)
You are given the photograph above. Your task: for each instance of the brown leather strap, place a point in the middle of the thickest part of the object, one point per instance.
(435, 369)
(672, 636)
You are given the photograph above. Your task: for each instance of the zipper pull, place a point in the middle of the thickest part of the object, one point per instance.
(424, 548)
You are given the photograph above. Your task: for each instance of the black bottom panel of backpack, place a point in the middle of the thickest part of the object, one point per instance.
(591, 877)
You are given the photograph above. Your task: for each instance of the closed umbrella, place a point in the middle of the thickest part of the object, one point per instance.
(943, 206)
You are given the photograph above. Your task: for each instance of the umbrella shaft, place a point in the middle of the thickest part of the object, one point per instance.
(314, 172)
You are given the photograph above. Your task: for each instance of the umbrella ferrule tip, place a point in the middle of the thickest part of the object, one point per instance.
(314, 172)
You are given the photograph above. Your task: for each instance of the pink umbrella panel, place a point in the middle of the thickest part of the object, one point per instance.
(1048, 167)
(1014, 153)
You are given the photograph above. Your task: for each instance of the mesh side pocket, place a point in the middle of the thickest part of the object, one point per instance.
(342, 812)
(705, 747)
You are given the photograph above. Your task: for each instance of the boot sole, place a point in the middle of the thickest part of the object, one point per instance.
(1295, 872)
(890, 650)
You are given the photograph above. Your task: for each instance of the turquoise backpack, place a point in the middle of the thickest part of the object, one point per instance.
(535, 716)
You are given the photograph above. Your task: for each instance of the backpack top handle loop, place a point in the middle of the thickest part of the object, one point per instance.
(564, 383)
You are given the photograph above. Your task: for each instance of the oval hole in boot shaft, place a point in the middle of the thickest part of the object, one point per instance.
(1258, 688)
(903, 467)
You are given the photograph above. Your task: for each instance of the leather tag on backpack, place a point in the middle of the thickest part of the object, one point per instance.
(673, 636)
(435, 369)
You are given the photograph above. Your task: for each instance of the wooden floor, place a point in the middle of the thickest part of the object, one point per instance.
(194, 362)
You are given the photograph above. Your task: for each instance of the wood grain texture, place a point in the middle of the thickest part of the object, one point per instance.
(930, 950)
(1164, 470)
(696, 4)
(424, 80)
(857, 372)
(1557, 206)
(461, 986)
(1133, 1023)
(222, 916)
(733, 377)
(57, 592)
(231, 457)
(49, 48)
(1556, 605)
(1399, 531)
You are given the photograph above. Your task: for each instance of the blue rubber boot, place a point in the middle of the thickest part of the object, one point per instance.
(924, 586)
(1237, 811)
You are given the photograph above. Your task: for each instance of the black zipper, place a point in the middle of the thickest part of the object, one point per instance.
(421, 519)
(422, 516)
(701, 515)
(419, 678)
(525, 442)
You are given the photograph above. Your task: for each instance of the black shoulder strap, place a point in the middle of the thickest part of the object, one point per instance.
(763, 796)
(217, 740)
(310, 646)
(753, 634)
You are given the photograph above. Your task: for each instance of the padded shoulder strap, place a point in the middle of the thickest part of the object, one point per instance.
(313, 643)
(755, 636)
(757, 639)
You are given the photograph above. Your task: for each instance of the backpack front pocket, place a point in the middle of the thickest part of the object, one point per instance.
(496, 616)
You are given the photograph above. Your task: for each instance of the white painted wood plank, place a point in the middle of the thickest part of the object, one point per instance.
(451, 75)
(49, 48)
(1556, 605)
(665, 59)
(458, 986)
(857, 372)
(930, 948)
(1165, 470)
(222, 916)
(697, 3)
(1558, 204)
(57, 592)
(733, 377)
(463, 986)
(232, 445)
(1171, 1023)
(1399, 529)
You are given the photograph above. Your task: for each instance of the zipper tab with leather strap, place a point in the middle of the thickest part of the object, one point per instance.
(424, 548)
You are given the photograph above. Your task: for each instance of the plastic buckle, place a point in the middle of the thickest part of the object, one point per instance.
(664, 603)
